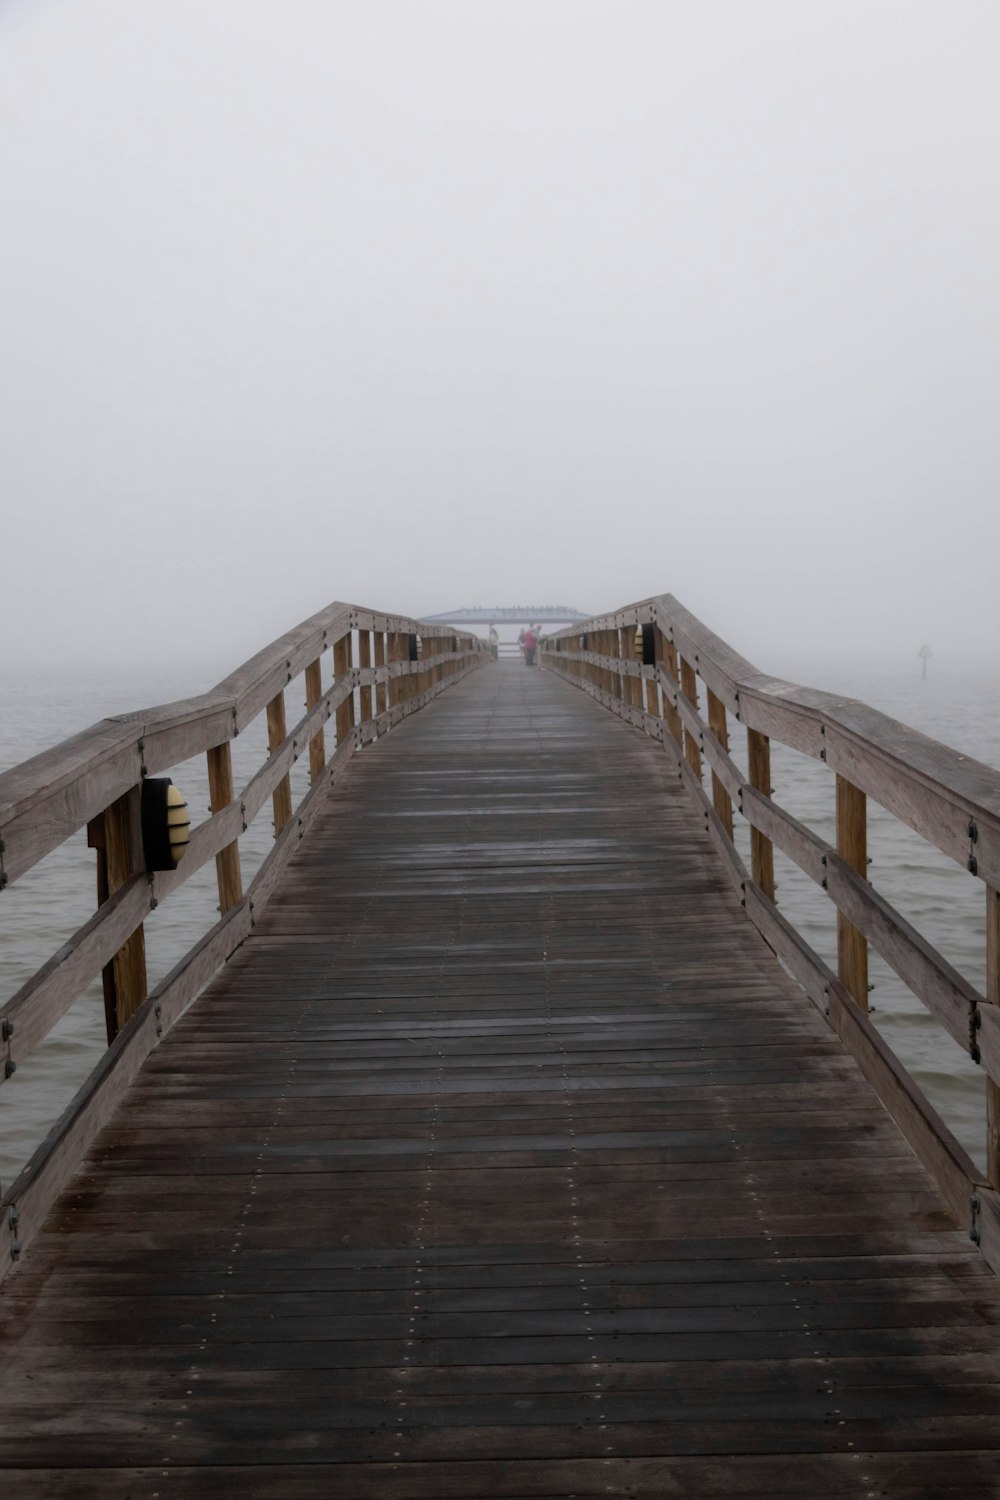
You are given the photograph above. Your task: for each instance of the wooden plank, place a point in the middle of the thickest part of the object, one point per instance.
(365, 661)
(807, 968)
(260, 679)
(721, 795)
(987, 1225)
(381, 703)
(761, 849)
(990, 1038)
(920, 1124)
(852, 847)
(554, 1163)
(732, 864)
(317, 743)
(692, 737)
(923, 784)
(124, 861)
(277, 734)
(31, 1013)
(24, 1207)
(180, 731)
(780, 828)
(88, 774)
(934, 982)
(222, 795)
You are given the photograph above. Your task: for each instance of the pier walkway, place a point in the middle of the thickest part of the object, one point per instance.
(502, 1160)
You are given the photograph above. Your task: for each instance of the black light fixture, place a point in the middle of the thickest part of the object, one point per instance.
(165, 823)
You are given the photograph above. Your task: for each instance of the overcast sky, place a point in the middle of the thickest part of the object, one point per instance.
(452, 301)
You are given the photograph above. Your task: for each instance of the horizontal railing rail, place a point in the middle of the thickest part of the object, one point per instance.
(657, 666)
(362, 671)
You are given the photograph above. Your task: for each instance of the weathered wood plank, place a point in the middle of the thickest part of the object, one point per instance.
(940, 987)
(504, 1145)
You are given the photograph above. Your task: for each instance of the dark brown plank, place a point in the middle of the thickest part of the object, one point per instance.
(502, 1159)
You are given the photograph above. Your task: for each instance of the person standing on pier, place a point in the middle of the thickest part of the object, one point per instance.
(530, 643)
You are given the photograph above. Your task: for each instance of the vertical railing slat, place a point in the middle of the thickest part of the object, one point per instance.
(281, 799)
(689, 687)
(341, 669)
(317, 745)
(993, 996)
(221, 793)
(721, 799)
(364, 661)
(123, 859)
(381, 695)
(852, 846)
(761, 848)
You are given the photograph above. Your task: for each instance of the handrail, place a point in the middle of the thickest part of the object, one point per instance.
(380, 668)
(650, 663)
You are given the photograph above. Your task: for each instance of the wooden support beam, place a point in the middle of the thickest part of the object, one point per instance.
(653, 699)
(281, 799)
(341, 668)
(993, 996)
(721, 799)
(689, 687)
(634, 684)
(221, 794)
(117, 837)
(671, 661)
(365, 660)
(852, 846)
(761, 848)
(381, 696)
(317, 745)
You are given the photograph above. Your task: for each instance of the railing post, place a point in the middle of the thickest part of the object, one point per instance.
(993, 996)
(852, 846)
(652, 648)
(281, 798)
(221, 794)
(761, 848)
(381, 695)
(117, 837)
(721, 799)
(365, 661)
(341, 668)
(317, 745)
(689, 687)
(634, 656)
(394, 655)
(668, 652)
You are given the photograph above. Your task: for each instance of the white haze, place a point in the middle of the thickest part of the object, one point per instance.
(433, 303)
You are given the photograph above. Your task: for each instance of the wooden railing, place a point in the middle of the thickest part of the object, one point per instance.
(362, 670)
(658, 667)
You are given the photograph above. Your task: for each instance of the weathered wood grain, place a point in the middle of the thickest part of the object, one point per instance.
(503, 1157)
(221, 796)
(931, 978)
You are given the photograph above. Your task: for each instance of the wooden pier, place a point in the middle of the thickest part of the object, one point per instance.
(503, 1158)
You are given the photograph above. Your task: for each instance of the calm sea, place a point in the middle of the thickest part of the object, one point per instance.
(941, 900)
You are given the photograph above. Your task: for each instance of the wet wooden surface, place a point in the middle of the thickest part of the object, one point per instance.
(503, 1160)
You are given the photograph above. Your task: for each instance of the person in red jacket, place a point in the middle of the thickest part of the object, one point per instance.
(530, 646)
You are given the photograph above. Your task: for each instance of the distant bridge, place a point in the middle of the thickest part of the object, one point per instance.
(510, 614)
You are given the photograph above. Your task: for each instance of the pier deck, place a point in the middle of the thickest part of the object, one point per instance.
(502, 1160)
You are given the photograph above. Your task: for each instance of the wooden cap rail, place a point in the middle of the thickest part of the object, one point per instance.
(93, 780)
(645, 662)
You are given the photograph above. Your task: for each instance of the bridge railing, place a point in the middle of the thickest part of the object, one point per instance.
(657, 666)
(361, 671)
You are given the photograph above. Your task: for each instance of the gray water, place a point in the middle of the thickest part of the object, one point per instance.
(939, 898)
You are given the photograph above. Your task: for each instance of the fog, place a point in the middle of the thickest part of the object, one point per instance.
(447, 302)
